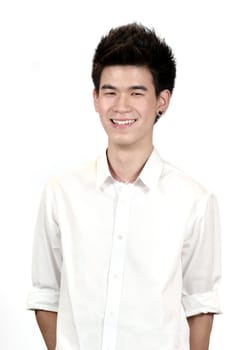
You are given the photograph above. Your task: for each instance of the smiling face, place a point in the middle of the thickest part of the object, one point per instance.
(127, 105)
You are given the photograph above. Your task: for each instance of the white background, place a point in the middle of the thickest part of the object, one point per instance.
(48, 122)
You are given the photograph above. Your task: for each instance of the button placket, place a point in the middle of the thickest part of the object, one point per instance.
(117, 263)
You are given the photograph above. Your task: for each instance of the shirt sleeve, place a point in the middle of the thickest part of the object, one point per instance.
(201, 261)
(47, 256)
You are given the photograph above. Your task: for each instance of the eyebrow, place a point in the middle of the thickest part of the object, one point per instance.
(133, 87)
(138, 87)
(108, 86)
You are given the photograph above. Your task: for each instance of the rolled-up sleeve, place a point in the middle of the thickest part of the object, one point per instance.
(201, 260)
(47, 255)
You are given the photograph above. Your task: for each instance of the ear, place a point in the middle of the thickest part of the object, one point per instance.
(95, 100)
(163, 101)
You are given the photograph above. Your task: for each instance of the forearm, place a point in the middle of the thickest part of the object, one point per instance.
(200, 330)
(47, 324)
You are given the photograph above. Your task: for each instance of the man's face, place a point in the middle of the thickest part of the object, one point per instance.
(127, 104)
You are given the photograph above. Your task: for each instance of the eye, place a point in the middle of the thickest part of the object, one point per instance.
(137, 93)
(109, 93)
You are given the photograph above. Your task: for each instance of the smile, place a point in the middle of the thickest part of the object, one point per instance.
(123, 122)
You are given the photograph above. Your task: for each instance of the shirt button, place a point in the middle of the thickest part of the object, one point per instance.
(120, 237)
(115, 276)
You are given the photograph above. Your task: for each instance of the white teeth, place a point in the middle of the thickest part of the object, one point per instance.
(123, 122)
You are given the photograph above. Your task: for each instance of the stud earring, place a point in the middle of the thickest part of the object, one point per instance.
(158, 116)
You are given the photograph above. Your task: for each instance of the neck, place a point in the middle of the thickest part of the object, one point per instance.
(125, 164)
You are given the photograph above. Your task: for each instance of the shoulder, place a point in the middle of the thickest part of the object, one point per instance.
(186, 194)
(176, 181)
(83, 173)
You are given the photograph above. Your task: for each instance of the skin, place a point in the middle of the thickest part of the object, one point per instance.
(128, 93)
(47, 321)
(200, 329)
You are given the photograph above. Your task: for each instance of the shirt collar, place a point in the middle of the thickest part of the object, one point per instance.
(103, 173)
(149, 176)
(152, 170)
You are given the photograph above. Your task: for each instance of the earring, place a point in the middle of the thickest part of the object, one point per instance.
(158, 116)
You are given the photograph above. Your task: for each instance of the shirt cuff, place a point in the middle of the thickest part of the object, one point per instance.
(43, 299)
(196, 304)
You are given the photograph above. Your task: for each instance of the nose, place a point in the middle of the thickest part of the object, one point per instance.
(122, 104)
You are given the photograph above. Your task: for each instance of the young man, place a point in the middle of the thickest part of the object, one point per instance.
(126, 252)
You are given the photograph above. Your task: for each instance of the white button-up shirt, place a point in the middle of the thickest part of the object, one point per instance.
(124, 265)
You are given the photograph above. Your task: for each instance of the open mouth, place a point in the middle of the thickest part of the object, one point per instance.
(123, 122)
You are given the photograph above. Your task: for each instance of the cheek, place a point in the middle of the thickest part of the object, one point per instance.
(147, 108)
(103, 114)
(100, 104)
(104, 108)
(152, 106)
(148, 111)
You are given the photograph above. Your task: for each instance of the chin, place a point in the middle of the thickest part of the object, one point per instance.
(122, 143)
